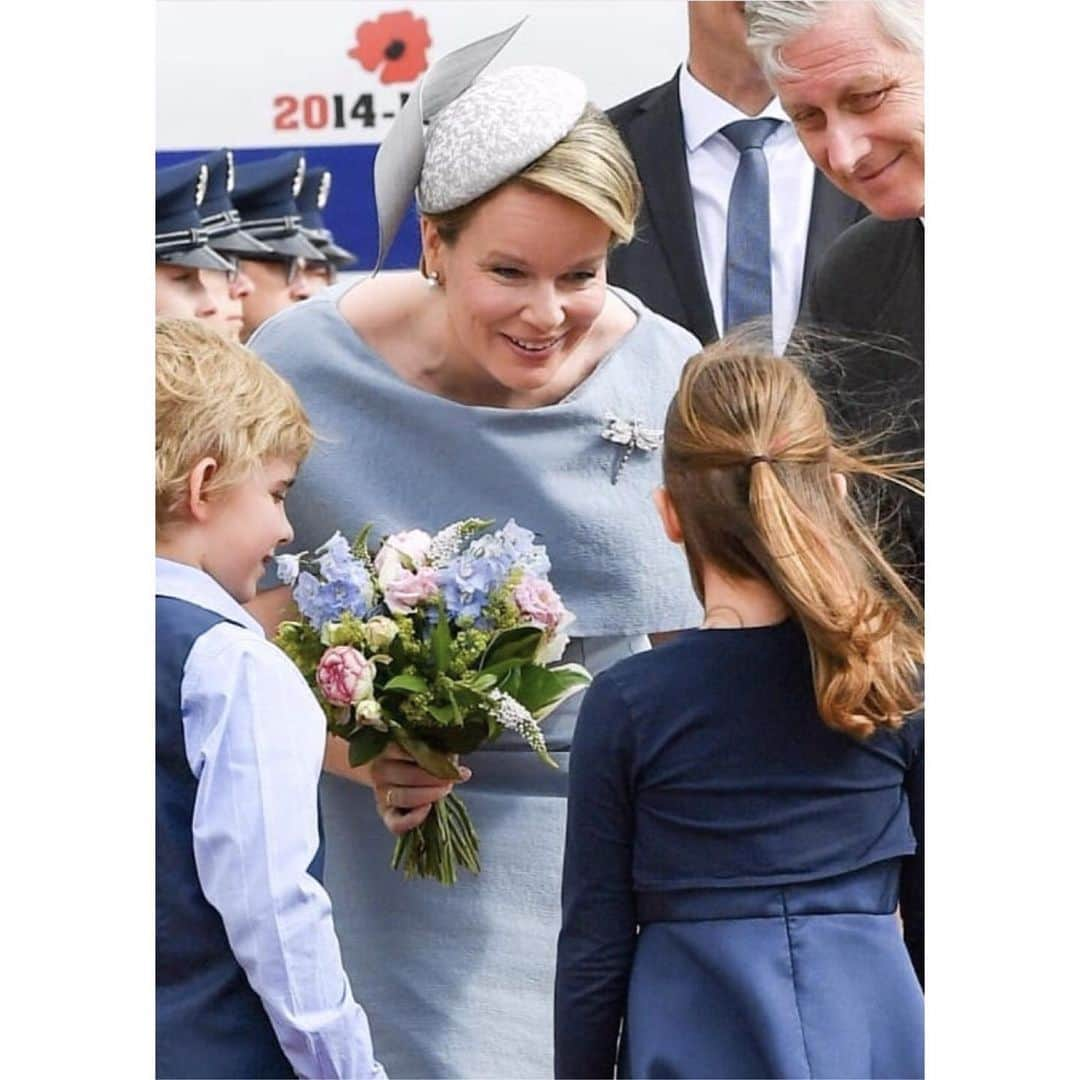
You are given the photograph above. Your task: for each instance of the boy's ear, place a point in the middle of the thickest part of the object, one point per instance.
(839, 483)
(668, 517)
(198, 480)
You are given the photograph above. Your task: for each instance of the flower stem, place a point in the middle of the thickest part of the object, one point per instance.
(445, 840)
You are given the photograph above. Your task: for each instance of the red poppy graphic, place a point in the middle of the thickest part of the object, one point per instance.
(396, 39)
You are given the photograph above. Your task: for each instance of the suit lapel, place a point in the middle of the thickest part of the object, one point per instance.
(659, 150)
(831, 212)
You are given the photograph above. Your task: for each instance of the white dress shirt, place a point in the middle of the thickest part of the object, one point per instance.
(712, 162)
(255, 737)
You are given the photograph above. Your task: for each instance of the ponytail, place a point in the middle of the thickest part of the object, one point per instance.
(750, 465)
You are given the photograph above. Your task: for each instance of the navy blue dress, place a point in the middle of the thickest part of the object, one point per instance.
(732, 874)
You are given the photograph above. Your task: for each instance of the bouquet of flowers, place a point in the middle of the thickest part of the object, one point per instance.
(438, 643)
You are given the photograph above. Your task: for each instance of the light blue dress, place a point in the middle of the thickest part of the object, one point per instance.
(458, 982)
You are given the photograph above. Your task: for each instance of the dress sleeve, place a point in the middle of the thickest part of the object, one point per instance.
(254, 737)
(911, 874)
(596, 945)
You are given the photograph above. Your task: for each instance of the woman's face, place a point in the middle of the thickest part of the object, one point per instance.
(524, 282)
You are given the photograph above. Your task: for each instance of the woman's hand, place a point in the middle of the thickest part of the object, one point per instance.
(404, 792)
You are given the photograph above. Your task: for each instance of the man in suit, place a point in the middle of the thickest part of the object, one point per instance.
(850, 76)
(679, 262)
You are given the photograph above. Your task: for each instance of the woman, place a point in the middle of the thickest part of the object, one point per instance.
(746, 802)
(489, 385)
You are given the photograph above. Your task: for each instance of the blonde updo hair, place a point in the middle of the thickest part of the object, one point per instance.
(216, 399)
(748, 462)
(590, 165)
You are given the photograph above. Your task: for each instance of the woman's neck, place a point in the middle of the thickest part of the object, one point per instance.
(736, 603)
(406, 322)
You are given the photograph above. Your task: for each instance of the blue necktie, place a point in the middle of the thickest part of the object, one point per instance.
(747, 272)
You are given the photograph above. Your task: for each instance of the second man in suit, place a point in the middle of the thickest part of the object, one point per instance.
(735, 215)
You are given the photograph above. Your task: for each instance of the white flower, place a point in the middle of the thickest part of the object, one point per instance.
(552, 650)
(380, 631)
(515, 717)
(448, 542)
(369, 713)
(288, 568)
(413, 545)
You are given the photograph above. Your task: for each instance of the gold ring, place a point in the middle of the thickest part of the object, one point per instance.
(390, 798)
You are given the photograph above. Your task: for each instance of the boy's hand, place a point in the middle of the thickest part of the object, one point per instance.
(404, 792)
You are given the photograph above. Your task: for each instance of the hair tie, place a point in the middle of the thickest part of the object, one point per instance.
(756, 458)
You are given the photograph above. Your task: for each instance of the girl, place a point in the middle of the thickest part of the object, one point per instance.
(745, 802)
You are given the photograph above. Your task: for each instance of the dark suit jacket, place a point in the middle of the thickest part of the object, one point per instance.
(662, 265)
(869, 287)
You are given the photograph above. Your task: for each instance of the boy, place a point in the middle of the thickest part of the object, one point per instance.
(249, 974)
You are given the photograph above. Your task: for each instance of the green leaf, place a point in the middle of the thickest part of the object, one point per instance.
(414, 684)
(519, 644)
(366, 744)
(468, 698)
(440, 643)
(432, 761)
(510, 682)
(359, 545)
(573, 678)
(443, 713)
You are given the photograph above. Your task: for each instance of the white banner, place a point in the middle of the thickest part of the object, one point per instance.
(252, 73)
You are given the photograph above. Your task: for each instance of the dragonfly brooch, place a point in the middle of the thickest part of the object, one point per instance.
(631, 434)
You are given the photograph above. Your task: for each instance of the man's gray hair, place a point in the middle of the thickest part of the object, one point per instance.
(771, 24)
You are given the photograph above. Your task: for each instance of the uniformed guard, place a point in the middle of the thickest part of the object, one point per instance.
(264, 196)
(181, 250)
(312, 200)
(229, 239)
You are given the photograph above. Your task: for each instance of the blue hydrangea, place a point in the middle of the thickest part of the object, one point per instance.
(326, 601)
(336, 559)
(512, 546)
(468, 582)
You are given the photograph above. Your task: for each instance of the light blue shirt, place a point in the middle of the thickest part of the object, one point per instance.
(254, 737)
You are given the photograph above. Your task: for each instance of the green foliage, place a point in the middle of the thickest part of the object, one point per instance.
(465, 650)
(433, 761)
(359, 545)
(413, 684)
(349, 631)
(510, 648)
(539, 687)
(500, 610)
(405, 648)
(300, 642)
(440, 643)
(366, 744)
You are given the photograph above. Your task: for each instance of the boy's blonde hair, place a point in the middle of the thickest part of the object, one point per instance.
(217, 399)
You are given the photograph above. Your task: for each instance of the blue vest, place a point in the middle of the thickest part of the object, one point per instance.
(210, 1023)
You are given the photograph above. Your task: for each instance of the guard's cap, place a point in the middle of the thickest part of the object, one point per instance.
(178, 234)
(264, 195)
(219, 217)
(312, 200)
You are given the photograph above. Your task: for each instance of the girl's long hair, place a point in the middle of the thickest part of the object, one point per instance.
(749, 461)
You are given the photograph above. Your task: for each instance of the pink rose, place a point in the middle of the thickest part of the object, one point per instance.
(405, 592)
(540, 603)
(344, 675)
(412, 544)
